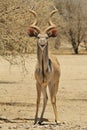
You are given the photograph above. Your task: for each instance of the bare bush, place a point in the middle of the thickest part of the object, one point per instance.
(74, 20)
(15, 19)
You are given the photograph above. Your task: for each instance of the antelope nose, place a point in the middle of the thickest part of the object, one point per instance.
(42, 45)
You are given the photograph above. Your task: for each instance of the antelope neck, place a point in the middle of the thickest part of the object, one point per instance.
(43, 60)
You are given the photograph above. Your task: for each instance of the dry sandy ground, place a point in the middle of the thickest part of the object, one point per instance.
(18, 96)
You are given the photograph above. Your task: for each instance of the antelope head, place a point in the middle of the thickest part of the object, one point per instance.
(35, 31)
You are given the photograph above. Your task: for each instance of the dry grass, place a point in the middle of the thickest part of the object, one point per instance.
(18, 95)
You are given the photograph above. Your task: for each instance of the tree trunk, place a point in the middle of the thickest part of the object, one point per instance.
(76, 50)
(75, 46)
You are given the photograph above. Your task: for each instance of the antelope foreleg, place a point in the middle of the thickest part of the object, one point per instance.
(38, 87)
(45, 98)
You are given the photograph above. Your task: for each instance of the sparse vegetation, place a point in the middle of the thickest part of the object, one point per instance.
(15, 19)
(73, 16)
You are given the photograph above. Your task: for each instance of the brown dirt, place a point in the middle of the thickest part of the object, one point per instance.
(18, 96)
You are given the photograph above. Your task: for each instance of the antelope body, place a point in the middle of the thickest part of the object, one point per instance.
(47, 72)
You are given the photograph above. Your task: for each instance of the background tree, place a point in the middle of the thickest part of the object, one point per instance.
(74, 29)
(15, 19)
(74, 20)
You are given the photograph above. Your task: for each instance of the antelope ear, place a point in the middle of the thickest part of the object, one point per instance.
(52, 32)
(33, 32)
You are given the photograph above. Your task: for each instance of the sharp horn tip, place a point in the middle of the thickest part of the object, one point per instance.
(56, 10)
(30, 10)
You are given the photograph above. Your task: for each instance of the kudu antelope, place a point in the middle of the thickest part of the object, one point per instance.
(47, 71)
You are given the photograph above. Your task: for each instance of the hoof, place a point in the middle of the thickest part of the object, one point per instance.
(35, 122)
(58, 122)
(40, 122)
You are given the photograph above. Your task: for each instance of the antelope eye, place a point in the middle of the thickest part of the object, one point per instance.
(38, 37)
(47, 37)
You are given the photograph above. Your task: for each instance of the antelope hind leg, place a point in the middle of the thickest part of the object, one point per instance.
(53, 91)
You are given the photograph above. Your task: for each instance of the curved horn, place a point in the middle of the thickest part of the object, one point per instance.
(50, 21)
(35, 15)
(33, 25)
(51, 14)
